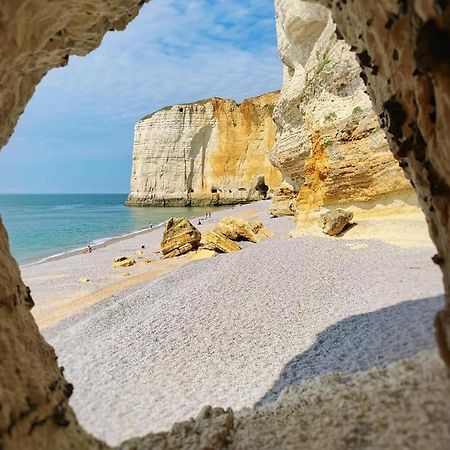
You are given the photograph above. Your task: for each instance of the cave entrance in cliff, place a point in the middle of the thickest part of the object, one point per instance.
(261, 186)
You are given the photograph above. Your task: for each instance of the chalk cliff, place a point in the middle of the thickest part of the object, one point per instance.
(330, 147)
(209, 152)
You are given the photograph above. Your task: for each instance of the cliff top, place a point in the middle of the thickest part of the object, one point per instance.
(209, 100)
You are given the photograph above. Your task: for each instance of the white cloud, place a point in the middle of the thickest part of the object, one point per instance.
(173, 52)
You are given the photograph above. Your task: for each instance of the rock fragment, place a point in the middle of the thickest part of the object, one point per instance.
(123, 261)
(220, 243)
(333, 223)
(236, 229)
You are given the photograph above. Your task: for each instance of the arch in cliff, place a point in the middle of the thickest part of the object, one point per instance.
(403, 48)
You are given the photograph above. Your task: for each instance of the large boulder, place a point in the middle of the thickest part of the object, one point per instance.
(333, 223)
(179, 237)
(236, 229)
(220, 243)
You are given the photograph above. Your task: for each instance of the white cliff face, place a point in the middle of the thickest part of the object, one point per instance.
(329, 147)
(209, 152)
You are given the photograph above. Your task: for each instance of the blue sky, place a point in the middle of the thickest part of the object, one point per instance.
(76, 134)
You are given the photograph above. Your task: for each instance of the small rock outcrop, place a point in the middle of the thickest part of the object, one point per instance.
(335, 222)
(236, 229)
(220, 243)
(179, 237)
(284, 201)
(211, 152)
(123, 261)
(330, 148)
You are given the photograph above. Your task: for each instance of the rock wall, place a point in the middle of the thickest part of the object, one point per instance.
(209, 152)
(36, 36)
(330, 147)
(403, 48)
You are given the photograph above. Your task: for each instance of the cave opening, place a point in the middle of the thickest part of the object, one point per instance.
(262, 187)
(49, 392)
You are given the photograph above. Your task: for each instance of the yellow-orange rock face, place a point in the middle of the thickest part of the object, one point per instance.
(205, 153)
(329, 147)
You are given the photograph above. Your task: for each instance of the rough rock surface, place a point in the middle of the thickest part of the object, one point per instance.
(330, 147)
(220, 243)
(209, 152)
(260, 230)
(334, 222)
(34, 410)
(236, 229)
(36, 36)
(380, 408)
(179, 237)
(403, 50)
(284, 201)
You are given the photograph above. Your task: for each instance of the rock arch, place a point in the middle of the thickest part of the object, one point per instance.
(404, 50)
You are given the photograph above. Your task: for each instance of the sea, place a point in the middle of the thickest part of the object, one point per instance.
(47, 225)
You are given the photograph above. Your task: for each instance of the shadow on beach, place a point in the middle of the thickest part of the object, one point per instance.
(362, 342)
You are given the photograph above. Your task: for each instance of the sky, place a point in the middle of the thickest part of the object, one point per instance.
(76, 134)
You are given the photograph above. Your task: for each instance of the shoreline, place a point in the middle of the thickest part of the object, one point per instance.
(64, 284)
(113, 239)
(275, 314)
(78, 251)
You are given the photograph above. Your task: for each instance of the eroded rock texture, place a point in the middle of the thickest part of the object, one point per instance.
(179, 237)
(378, 409)
(209, 152)
(37, 35)
(330, 147)
(34, 410)
(403, 48)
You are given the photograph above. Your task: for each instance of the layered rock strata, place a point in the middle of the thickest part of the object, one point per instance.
(403, 48)
(206, 153)
(330, 147)
(179, 237)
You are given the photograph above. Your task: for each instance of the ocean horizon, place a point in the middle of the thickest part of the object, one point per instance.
(40, 226)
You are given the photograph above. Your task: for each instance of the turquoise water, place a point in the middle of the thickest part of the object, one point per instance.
(44, 225)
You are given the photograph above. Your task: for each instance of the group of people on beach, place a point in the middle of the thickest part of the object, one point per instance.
(89, 249)
(207, 216)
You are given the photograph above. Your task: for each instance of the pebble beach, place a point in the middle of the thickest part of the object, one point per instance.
(234, 330)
